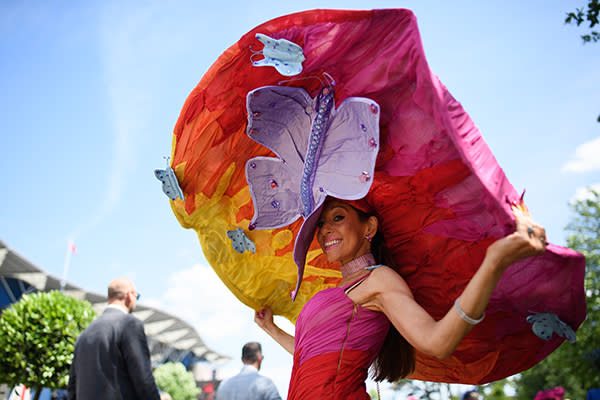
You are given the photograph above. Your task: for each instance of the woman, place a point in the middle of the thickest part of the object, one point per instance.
(341, 330)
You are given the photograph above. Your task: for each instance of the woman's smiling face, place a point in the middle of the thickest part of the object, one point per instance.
(341, 233)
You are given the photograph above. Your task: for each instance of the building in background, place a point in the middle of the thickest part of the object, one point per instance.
(169, 337)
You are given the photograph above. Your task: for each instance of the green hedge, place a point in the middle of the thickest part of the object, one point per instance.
(37, 338)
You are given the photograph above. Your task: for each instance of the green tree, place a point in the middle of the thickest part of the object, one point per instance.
(589, 14)
(373, 394)
(175, 380)
(37, 339)
(497, 390)
(576, 367)
(423, 390)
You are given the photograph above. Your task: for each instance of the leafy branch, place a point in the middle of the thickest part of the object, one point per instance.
(581, 15)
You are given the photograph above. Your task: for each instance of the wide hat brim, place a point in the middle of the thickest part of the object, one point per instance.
(439, 192)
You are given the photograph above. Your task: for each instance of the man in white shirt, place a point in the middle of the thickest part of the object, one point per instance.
(249, 384)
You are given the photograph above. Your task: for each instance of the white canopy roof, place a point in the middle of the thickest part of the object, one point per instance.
(169, 337)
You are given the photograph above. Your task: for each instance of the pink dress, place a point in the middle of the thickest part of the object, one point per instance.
(336, 342)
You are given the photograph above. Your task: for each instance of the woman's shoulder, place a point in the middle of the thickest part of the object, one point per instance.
(385, 276)
(382, 269)
(382, 283)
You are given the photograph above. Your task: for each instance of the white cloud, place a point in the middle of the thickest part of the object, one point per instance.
(198, 296)
(587, 158)
(583, 193)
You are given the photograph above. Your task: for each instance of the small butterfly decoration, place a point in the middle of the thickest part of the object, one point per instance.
(285, 56)
(240, 241)
(170, 185)
(545, 324)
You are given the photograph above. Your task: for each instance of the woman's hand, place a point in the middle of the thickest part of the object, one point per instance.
(264, 317)
(529, 239)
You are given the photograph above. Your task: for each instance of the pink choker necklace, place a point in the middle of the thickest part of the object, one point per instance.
(357, 264)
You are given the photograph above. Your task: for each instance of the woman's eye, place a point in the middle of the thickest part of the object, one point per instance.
(320, 224)
(338, 218)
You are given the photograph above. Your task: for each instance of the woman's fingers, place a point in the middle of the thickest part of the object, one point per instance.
(259, 317)
(537, 235)
(530, 230)
(527, 226)
(263, 316)
(542, 237)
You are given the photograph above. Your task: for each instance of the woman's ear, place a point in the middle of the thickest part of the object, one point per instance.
(372, 225)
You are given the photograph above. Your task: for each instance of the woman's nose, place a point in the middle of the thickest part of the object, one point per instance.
(326, 227)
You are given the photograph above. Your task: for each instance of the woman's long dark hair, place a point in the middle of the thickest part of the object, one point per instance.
(396, 359)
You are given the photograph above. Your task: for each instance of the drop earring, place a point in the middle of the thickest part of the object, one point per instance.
(368, 237)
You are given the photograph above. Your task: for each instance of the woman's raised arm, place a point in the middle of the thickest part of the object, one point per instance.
(390, 294)
(264, 319)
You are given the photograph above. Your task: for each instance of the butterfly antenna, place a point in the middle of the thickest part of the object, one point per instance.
(329, 79)
(299, 79)
(254, 54)
(167, 158)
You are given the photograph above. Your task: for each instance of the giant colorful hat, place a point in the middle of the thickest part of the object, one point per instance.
(411, 153)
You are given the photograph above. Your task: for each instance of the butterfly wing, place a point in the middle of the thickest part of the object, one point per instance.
(283, 67)
(274, 189)
(248, 244)
(170, 185)
(240, 242)
(566, 331)
(279, 118)
(347, 160)
(285, 56)
(281, 49)
(235, 240)
(545, 324)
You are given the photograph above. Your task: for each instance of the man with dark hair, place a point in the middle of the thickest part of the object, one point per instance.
(471, 395)
(111, 358)
(249, 384)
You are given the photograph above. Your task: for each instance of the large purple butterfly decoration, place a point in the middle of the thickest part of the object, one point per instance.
(321, 151)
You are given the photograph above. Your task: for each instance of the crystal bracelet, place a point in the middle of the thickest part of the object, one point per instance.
(464, 316)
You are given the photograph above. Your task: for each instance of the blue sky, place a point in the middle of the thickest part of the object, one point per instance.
(91, 90)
